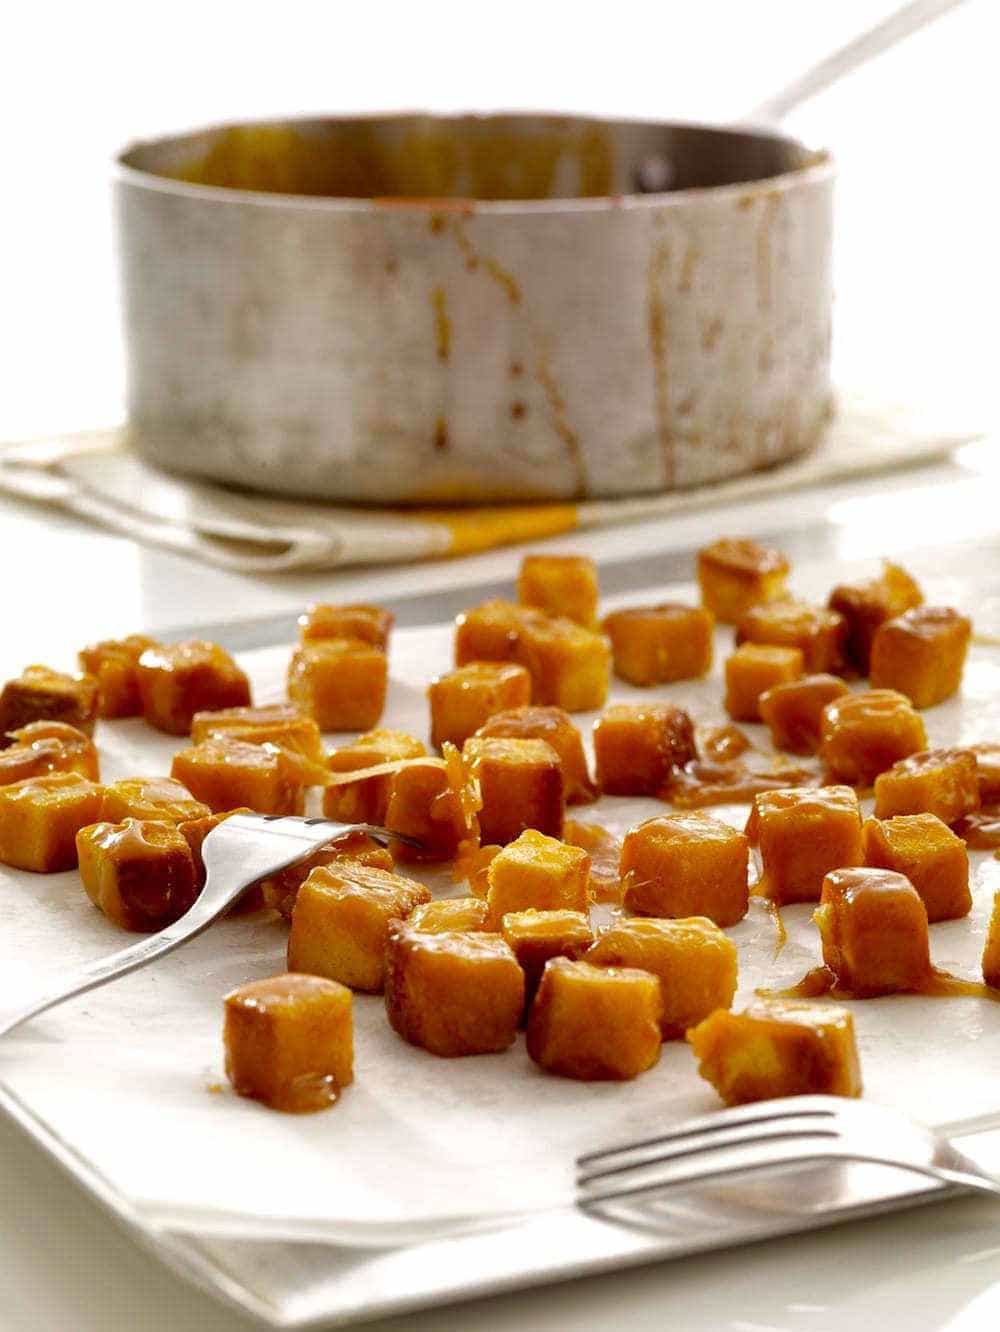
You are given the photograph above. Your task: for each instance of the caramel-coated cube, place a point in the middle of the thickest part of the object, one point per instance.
(803, 835)
(538, 936)
(367, 799)
(866, 606)
(873, 929)
(595, 1023)
(179, 680)
(161, 799)
(679, 865)
(340, 682)
(793, 712)
(570, 666)
(45, 746)
(40, 818)
(863, 734)
(453, 994)
(537, 873)
(638, 745)
(555, 727)
(463, 699)
(289, 1041)
(141, 875)
(114, 664)
(987, 771)
(656, 644)
(695, 962)
(991, 950)
(753, 670)
(820, 634)
(340, 922)
(560, 585)
(448, 914)
(929, 854)
(226, 773)
(41, 694)
(280, 890)
(922, 654)
(521, 786)
(368, 624)
(736, 573)
(934, 781)
(490, 632)
(778, 1047)
(423, 805)
(278, 724)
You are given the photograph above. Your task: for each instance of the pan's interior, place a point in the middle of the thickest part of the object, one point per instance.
(503, 157)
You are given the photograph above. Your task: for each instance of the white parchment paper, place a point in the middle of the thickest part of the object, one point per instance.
(130, 1078)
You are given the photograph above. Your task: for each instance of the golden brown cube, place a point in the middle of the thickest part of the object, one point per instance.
(595, 1023)
(521, 786)
(278, 724)
(944, 782)
(423, 805)
(537, 873)
(866, 606)
(448, 914)
(863, 734)
(778, 1047)
(987, 771)
(114, 664)
(340, 682)
(991, 951)
(569, 665)
(490, 632)
(463, 699)
(819, 634)
(555, 727)
(873, 928)
(453, 994)
(368, 624)
(340, 922)
(141, 875)
(560, 585)
(736, 573)
(179, 680)
(695, 962)
(922, 654)
(679, 865)
(753, 670)
(657, 644)
(45, 746)
(638, 745)
(280, 890)
(289, 1041)
(160, 799)
(41, 694)
(225, 773)
(40, 818)
(929, 854)
(803, 835)
(793, 712)
(538, 936)
(367, 799)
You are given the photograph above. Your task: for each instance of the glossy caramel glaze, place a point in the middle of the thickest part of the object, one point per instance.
(743, 555)
(722, 744)
(863, 734)
(988, 770)
(936, 984)
(369, 624)
(605, 857)
(556, 728)
(980, 831)
(701, 783)
(793, 711)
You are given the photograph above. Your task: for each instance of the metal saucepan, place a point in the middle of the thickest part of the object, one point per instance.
(419, 309)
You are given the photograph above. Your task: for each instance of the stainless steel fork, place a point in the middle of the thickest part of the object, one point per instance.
(237, 853)
(770, 1134)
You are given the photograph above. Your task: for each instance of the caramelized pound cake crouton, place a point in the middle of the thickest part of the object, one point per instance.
(922, 654)
(140, 874)
(520, 784)
(453, 994)
(934, 781)
(680, 865)
(539, 873)
(560, 585)
(638, 745)
(695, 962)
(423, 805)
(280, 890)
(341, 918)
(278, 724)
(866, 606)
(161, 799)
(569, 666)
(595, 1023)
(179, 680)
(863, 734)
(555, 727)
(227, 773)
(45, 746)
(753, 670)
(40, 818)
(873, 928)
(463, 699)
(41, 694)
(340, 682)
(776, 1048)
(114, 664)
(802, 835)
(929, 854)
(658, 644)
(793, 712)
(736, 573)
(289, 1041)
(818, 633)
(490, 632)
(367, 799)
(538, 936)
(367, 624)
